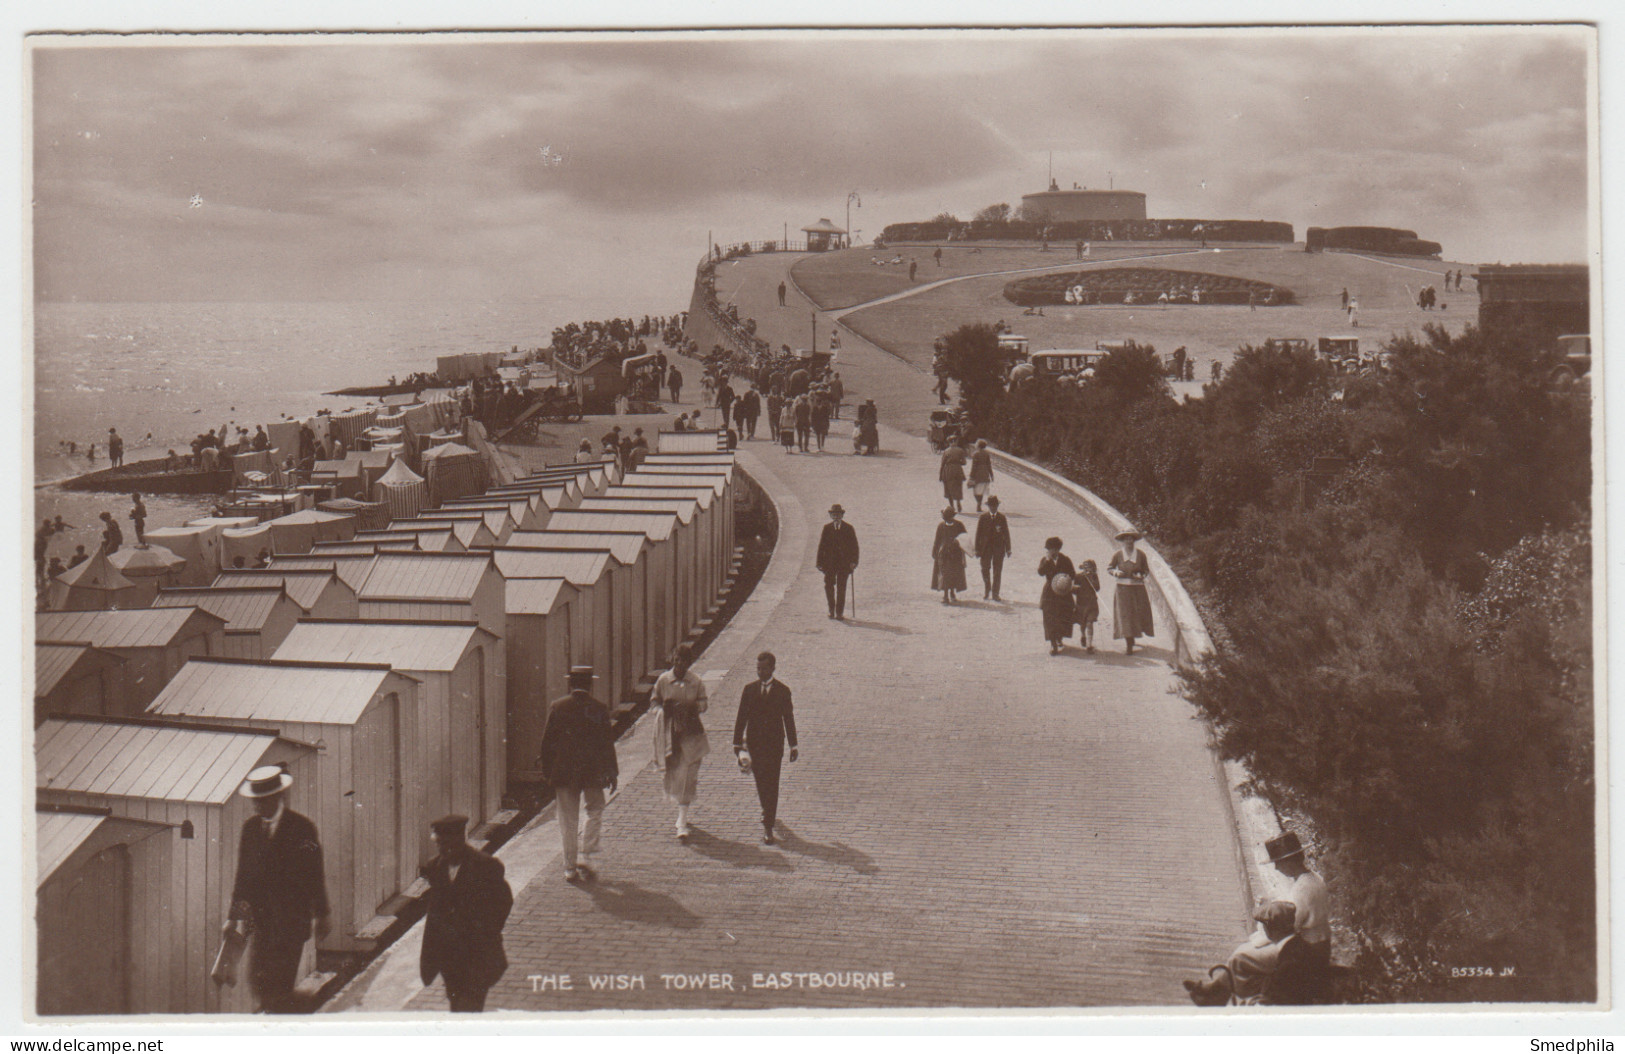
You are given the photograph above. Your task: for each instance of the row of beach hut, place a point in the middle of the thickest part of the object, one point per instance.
(399, 673)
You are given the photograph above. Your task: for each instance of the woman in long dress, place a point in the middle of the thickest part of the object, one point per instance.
(1131, 604)
(680, 742)
(948, 557)
(787, 426)
(952, 475)
(981, 472)
(1056, 600)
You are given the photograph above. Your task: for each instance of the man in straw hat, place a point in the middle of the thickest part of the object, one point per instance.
(1314, 907)
(280, 890)
(467, 905)
(837, 558)
(578, 760)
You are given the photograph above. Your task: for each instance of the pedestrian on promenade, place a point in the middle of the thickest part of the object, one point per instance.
(787, 425)
(585, 454)
(836, 391)
(112, 534)
(115, 447)
(803, 413)
(913, 266)
(782, 290)
(766, 721)
(1345, 298)
(1314, 909)
(938, 255)
(1353, 310)
(948, 557)
(992, 546)
(42, 544)
(680, 742)
(138, 516)
(1055, 602)
(837, 559)
(942, 388)
(1086, 601)
(467, 905)
(820, 416)
(981, 472)
(750, 405)
(725, 400)
(866, 440)
(1131, 604)
(952, 474)
(279, 899)
(674, 381)
(578, 762)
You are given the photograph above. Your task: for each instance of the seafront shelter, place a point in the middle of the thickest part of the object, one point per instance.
(154, 642)
(469, 528)
(76, 678)
(459, 721)
(652, 592)
(97, 874)
(360, 783)
(351, 565)
(593, 614)
(319, 593)
(693, 526)
(258, 618)
(538, 649)
(663, 533)
(187, 777)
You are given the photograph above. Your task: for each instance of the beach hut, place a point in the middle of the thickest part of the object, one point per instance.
(297, 532)
(542, 494)
(369, 515)
(643, 573)
(348, 426)
(319, 593)
(343, 475)
(401, 491)
(186, 777)
(461, 702)
(592, 616)
(691, 442)
(93, 585)
(351, 568)
(154, 642)
(149, 567)
(715, 514)
(245, 544)
(537, 640)
(365, 782)
(498, 521)
(75, 678)
(521, 509)
(98, 878)
(664, 533)
(198, 545)
(430, 538)
(469, 529)
(453, 471)
(437, 586)
(258, 617)
(693, 528)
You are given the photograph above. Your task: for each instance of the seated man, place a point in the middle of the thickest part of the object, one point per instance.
(1256, 961)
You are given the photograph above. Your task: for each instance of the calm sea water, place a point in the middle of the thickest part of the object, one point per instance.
(175, 370)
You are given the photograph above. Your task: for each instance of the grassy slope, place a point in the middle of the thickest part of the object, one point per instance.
(908, 327)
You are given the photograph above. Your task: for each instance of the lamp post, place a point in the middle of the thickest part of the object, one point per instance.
(850, 198)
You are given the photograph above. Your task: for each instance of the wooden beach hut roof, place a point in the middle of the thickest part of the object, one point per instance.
(470, 532)
(578, 567)
(425, 576)
(718, 484)
(143, 628)
(243, 607)
(430, 540)
(398, 643)
(55, 664)
(306, 587)
(272, 690)
(537, 596)
(126, 758)
(680, 442)
(657, 525)
(625, 546)
(60, 832)
(351, 565)
(685, 508)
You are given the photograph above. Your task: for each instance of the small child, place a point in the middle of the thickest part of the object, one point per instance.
(1085, 586)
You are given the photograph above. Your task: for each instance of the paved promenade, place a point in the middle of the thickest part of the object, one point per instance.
(972, 822)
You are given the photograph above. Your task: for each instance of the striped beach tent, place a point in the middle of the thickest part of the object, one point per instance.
(401, 490)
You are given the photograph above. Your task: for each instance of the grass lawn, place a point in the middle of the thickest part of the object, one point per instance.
(909, 326)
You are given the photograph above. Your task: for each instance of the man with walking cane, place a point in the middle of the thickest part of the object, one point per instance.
(837, 559)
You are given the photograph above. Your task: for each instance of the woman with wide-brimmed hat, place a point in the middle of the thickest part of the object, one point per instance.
(948, 557)
(1055, 602)
(1131, 604)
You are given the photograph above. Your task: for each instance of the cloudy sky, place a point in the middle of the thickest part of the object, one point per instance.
(579, 166)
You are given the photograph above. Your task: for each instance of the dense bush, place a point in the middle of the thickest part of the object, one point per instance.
(1391, 240)
(985, 227)
(1406, 663)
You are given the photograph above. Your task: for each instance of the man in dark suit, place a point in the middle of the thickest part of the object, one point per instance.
(467, 905)
(992, 546)
(837, 558)
(766, 720)
(578, 761)
(280, 890)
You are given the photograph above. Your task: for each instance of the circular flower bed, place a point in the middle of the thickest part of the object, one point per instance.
(1143, 285)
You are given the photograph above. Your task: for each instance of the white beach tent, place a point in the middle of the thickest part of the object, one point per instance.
(402, 490)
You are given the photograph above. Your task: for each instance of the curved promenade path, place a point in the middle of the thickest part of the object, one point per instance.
(972, 822)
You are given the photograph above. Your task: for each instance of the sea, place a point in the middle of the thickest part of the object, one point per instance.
(161, 373)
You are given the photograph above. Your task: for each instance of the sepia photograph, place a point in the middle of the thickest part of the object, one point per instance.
(607, 524)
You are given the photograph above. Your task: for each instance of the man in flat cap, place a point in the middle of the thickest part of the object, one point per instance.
(1313, 910)
(837, 558)
(578, 761)
(280, 896)
(467, 905)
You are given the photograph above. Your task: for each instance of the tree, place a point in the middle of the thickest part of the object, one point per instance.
(944, 217)
(1030, 213)
(972, 356)
(994, 214)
